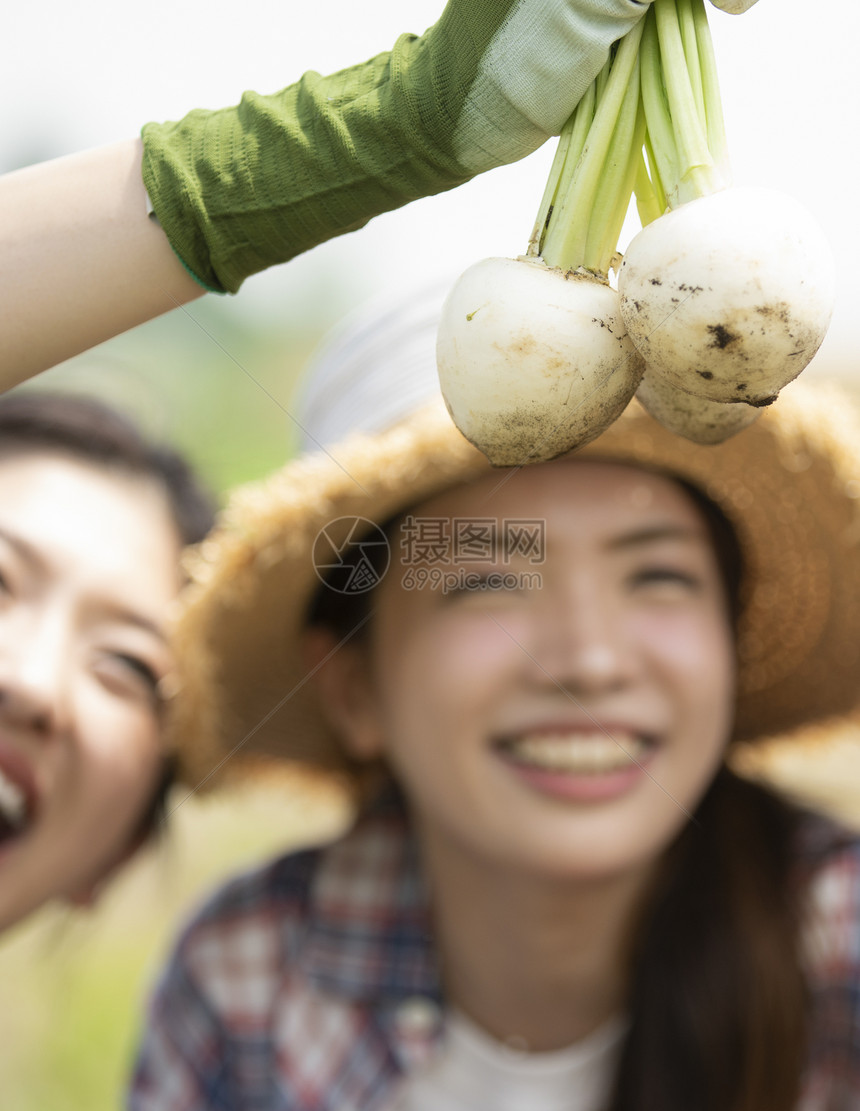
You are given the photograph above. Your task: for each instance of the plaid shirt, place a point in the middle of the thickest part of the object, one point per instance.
(311, 984)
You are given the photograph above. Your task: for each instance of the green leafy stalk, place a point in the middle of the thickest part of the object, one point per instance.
(660, 139)
(692, 145)
(713, 104)
(652, 124)
(687, 28)
(568, 152)
(592, 175)
(681, 97)
(616, 187)
(650, 198)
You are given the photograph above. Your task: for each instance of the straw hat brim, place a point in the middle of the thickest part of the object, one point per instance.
(789, 484)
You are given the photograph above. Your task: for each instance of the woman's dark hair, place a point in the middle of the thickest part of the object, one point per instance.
(92, 432)
(727, 548)
(718, 1002)
(718, 1005)
(89, 430)
(345, 613)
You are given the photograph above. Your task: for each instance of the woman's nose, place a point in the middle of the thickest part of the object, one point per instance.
(582, 642)
(34, 678)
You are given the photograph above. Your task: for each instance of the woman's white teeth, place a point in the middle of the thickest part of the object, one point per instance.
(13, 802)
(581, 753)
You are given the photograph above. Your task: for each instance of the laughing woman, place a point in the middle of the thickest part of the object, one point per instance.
(92, 522)
(557, 895)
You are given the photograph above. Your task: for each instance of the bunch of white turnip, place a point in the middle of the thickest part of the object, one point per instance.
(723, 297)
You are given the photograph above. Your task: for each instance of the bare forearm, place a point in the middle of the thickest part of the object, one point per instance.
(253, 185)
(80, 261)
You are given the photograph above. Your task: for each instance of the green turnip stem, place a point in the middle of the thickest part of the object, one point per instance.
(613, 196)
(687, 28)
(681, 96)
(567, 155)
(691, 143)
(595, 177)
(658, 90)
(714, 121)
(650, 200)
(660, 140)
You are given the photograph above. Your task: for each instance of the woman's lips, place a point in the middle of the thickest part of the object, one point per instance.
(17, 794)
(580, 764)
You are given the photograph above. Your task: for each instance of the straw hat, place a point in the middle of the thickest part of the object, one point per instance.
(378, 440)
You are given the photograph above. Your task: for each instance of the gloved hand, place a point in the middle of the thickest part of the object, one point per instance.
(734, 7)
(243, 188)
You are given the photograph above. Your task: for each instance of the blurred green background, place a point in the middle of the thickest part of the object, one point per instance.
(211, 379)
(74, 984)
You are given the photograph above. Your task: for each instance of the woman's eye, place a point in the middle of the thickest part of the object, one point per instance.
(668, 578)
(478, 584)
(140, 668)
(127, 669)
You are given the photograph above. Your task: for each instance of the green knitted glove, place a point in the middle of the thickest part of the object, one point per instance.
(243, 188)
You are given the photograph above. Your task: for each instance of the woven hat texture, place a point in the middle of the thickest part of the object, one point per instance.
(790, 484)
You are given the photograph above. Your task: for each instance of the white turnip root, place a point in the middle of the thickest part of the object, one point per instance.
(694, 418)
(532, 354)
(533, 361)
(726, 294)
(729, 296)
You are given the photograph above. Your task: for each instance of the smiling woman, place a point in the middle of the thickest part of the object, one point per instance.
(92, 521)
(586, 688)
(558, 894)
